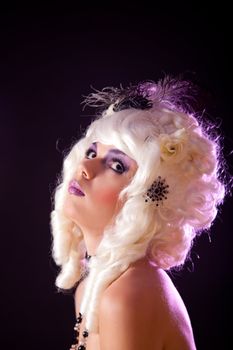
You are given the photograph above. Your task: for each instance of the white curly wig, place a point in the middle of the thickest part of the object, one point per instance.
(152, 124)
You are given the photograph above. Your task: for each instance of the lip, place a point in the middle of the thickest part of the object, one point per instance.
(74, 188)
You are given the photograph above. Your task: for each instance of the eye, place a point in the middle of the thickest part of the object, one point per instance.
(117, 166)
(90, 153)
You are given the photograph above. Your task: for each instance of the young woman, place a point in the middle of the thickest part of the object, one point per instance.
(135, 191)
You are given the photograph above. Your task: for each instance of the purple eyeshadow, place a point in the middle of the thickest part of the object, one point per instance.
(115, 155)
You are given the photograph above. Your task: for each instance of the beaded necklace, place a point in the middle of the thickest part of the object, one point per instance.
(82, 343)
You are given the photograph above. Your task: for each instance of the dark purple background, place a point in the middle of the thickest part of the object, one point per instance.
(47, 63)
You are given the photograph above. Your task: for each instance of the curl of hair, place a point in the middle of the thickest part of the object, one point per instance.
(165, 142)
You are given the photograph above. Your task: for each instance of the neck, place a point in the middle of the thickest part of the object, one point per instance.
(92, 241)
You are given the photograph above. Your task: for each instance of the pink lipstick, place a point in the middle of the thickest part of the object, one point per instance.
(75, 189)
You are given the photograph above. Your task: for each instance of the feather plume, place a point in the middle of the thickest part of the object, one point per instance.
(169, 92)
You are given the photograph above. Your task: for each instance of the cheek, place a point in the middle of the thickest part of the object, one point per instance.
(107, 196)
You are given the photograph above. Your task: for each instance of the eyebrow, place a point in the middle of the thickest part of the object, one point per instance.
(117, 152)
(114, 151)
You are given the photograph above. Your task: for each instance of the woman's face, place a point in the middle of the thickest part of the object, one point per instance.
(92, 195)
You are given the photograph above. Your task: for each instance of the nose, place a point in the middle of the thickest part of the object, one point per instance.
(87, 169)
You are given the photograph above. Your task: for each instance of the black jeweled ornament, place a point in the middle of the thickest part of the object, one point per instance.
(158, 191)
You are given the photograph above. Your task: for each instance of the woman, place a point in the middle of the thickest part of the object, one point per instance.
(135, 191)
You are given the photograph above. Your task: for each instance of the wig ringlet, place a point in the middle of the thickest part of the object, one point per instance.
(164, 141)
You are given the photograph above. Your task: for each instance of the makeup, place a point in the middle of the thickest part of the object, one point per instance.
(74, 188)
(115, 159)
(118, 161)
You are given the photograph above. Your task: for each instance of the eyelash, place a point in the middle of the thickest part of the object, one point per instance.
(113, 160)
(88, 153)
(122, 170)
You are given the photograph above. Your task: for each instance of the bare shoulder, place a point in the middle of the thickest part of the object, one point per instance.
(144, 309)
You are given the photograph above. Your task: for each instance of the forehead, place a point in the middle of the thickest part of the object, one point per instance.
(104, 148)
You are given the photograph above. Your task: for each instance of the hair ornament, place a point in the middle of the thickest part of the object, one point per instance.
(158, 191)
(169, 92)
(174, 147)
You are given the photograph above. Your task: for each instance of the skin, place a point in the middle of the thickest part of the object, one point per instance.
(102, 175)
(141, 309)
